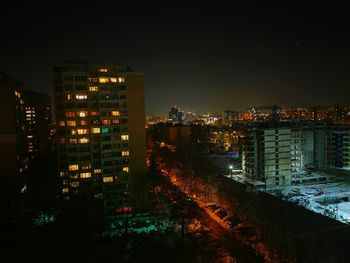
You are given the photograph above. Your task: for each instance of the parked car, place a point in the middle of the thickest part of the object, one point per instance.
(221, 212)
(212, 207)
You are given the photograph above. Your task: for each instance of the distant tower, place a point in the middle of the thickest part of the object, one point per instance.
(180, 117)
(276, 110)
(173, 114)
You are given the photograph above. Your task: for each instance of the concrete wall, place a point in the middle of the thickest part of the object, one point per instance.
(137, 136)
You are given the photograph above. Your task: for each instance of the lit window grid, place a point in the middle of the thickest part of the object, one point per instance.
(114, 114)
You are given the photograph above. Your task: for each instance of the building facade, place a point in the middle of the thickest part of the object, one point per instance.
(14, 160)
(337, 147)
(100, 134)
(37, 122)
(266, 156)
(331, 146)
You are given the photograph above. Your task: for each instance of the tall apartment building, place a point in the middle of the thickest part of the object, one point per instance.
(176, 116)
(337, 147)
(101, 140)
(37, 123)
(13, 156)
(266, 155)
(296, 151)
(331, 146)
(302, 150)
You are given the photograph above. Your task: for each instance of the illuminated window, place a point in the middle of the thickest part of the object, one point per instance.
(102, 70)
(83, 114)
(95, 130)
(126, 169)
(81, 96)
(61, 123)
(82, 131)
(106, 122)
(113, 80)
(65, 190)
(73, 167)
(93, 88)
(103, 80)
(115, 121)
(125, 137)
(94, 80)
(125, 153)
(70, 114)
(105, 130)
(121, 79)
(115, 113)
(71, 123)
(69, 96)
(18, 94)
(85, 175)
(94, 113)
(63, 174)
(83, 140)
(85, 167)
(72, 141)
(97, 171)
(108, 179)
(83, 122)
(73, 132)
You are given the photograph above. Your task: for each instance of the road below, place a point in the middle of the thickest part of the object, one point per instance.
(232, 249)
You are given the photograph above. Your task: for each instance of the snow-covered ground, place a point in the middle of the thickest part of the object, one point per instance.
(43, 218)
(317, 191)
(330, 198)
(140, 223)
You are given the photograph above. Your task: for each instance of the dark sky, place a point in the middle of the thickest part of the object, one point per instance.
(202, 58)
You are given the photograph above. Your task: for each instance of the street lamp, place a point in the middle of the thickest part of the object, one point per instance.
(231, 167)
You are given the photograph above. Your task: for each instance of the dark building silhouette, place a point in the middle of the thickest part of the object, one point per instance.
(170, 133)
(37, 123)
(176, 116)
(13, 155)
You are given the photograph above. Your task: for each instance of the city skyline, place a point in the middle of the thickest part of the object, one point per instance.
(170, 132)
(204, 58)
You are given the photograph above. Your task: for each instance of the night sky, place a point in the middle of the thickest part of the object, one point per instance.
(201, 58)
